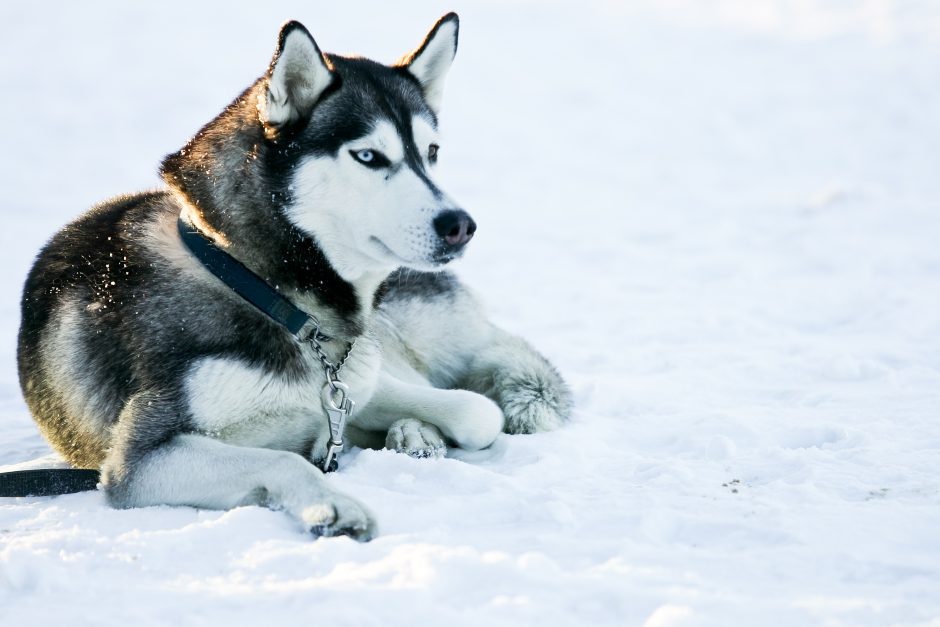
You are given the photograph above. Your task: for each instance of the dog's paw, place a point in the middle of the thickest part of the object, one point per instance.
(339, 515)
(534, 404)
(416, 438)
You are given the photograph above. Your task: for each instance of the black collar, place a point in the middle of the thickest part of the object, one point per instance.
(249, 285)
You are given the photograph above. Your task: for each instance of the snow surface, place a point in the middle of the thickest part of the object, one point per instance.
(718, 217)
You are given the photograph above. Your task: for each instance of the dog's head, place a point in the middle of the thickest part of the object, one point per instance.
(361, 141)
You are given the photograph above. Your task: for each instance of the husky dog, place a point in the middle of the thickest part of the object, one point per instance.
(138, 359)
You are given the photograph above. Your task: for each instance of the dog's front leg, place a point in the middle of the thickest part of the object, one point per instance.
(529, 390)
(199, 471)
(412, 413)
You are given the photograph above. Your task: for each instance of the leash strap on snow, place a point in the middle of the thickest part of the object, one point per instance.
(246, 283)
(47, 481)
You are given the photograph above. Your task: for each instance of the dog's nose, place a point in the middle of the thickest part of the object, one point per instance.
(455, 226)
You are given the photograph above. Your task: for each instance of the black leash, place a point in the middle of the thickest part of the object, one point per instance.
(247, 284)
(47, 481)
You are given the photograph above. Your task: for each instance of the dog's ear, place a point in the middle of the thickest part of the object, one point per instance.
(431, 60)
(297, 77)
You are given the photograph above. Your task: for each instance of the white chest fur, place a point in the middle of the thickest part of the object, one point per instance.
(249, 406)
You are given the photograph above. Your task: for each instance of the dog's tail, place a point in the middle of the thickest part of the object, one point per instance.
(47, 481)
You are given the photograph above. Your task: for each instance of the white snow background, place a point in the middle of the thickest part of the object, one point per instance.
(718, 218)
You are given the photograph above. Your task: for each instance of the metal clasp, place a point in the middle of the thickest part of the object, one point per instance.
(338, 406)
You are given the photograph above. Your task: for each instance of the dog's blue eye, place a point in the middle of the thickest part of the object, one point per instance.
(370, 158)
(432, 153)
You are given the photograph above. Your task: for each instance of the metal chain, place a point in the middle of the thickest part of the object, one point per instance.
(332, 370)
(342, 362)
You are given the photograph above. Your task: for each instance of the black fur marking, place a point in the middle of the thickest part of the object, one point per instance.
(406, 284)
(414, 159)
(380, 294)
(151, 418)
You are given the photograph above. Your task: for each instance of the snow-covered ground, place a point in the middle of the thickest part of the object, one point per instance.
(720, 218)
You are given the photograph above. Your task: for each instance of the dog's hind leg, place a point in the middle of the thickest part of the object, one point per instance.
(199, 471)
